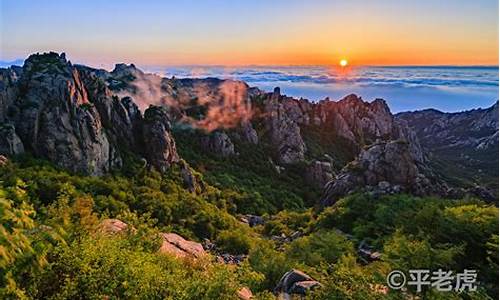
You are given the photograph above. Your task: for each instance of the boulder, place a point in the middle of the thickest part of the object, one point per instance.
(295, 282)
(244, 294)
(180, 247)
(112, 226)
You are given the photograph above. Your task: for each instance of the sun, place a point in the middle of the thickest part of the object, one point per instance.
(343, 62)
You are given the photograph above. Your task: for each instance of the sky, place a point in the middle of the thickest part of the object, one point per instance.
(256, 32)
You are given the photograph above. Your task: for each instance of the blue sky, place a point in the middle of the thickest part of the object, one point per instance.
(254, 32)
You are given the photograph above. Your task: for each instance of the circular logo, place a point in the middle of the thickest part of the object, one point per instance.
(396, 280)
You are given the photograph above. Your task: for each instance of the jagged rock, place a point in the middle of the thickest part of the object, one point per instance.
(302, 287)
(218, 143)
(283, 130)
(249, 134)
(295, 282)
(55, 119)
(178, 246)
(8, 89)
(187, 176)
(159, 145)
(244, 294)
(457, 143)
(382, 164)
(10, 143)
(112, 226)
(319, 173)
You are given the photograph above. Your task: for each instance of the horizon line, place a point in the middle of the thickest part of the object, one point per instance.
(20, 62)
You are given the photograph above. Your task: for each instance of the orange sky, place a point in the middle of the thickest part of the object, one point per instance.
(261, 32)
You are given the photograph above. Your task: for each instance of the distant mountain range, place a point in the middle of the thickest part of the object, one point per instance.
(91, 121)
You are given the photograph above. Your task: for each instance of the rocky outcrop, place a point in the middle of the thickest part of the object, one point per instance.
(319, 173)
(8, 89)
(10, 143)
(69, 115)
(176, 245)
(386, 166)
(159, 145)
(350, 123)
(295, 282)
(248, 133)
(55, 119)
(218, 143)
(462, 145)
(283, 130)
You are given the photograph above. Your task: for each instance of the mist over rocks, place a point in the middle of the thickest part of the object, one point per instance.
(87, 120)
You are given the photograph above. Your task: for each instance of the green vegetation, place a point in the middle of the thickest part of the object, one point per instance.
(50, 246)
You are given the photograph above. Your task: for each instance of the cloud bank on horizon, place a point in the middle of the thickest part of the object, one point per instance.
(404, 88)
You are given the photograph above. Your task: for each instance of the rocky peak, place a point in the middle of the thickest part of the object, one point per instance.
(387, 165)
(124, 69)
(457, 143)
(159, 145)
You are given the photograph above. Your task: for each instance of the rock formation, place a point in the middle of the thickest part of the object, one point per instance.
(295, 282)
(388, 166)
(178, 246)
(87, 120)
(10, 143)
(283, 130)
(112, 226)
(218, 143)
(461, 145)
(319, 173)
(159, 145)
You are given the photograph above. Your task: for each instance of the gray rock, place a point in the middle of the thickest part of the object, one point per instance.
(10, 143)
(283, 130)
(159, 145)
(319, 173)
(382, 165)
(218, 143)
(56, 120)
(295, 282)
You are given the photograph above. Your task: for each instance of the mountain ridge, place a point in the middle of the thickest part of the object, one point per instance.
(86, 119)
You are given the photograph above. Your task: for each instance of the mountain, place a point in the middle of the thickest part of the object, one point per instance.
(462, 147)
(91, 121)
(119, 183)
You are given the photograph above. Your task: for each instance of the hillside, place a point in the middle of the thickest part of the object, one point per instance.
(120, 184)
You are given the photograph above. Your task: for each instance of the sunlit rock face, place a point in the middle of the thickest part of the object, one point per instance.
(55, 118)
(69, 116)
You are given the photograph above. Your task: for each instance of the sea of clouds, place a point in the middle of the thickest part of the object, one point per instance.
(404, 88)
